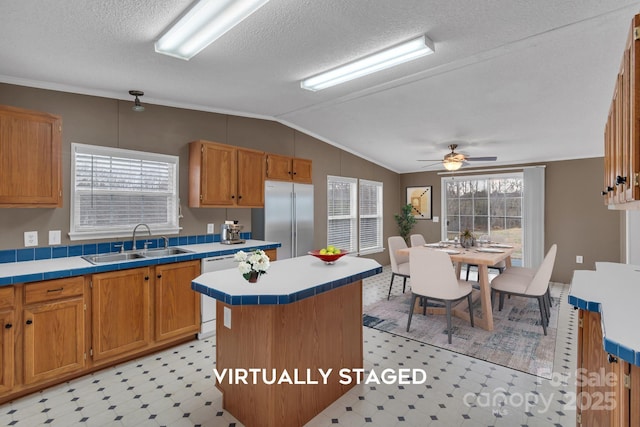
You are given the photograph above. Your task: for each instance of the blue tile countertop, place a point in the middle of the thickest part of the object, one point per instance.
(286, 281)
(55, 268)
(613, 290)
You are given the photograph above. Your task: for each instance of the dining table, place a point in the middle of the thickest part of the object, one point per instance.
(483, 257)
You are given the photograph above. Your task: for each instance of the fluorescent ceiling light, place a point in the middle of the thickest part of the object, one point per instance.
(204, 23)
(396, 55)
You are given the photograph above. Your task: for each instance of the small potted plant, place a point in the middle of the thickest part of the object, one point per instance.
(467, 239)
(252, 265)
(405, 221)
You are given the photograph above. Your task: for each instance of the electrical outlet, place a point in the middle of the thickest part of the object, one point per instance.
(436, 219)
(210, 228)
(30, 238)
(579, 259)
(54, 237)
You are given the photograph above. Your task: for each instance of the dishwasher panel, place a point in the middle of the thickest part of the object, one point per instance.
(208, 304)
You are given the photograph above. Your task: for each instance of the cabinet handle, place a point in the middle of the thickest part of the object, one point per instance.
(239, 197)
(613, 359)
(621, 180)
(8, 326)
(159, 276)
(29, 322)
(55, 290)
(233, 197)
(146, 277)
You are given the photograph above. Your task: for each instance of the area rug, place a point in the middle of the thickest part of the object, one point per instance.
(516, 342)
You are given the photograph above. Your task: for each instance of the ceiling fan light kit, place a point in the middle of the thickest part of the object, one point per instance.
(203, 24)
(384, 59)
(453, 161)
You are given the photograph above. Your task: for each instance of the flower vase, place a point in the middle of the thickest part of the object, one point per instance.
(252, 276)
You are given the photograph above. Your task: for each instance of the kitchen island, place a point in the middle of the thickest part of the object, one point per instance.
(302, 320)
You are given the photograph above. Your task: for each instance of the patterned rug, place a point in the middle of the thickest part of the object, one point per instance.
(516, 342)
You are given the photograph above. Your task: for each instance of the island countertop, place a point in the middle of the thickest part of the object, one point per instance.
(286, 281)
(612, 290)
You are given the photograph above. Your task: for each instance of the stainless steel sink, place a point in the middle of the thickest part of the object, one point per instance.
(103, 258)
(164, 252)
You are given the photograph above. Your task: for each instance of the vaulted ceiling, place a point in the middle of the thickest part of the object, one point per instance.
(522, 80)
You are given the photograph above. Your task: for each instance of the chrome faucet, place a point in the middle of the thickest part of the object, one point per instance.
(165, 239)
(134, 236)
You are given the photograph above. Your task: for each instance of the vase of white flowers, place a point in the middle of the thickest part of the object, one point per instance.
(252, 265)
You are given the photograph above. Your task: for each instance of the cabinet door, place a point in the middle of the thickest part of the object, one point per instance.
(302, 170)
(7, 342)
(30, 157)
(594, 371)
(279, 167)
(218, 175)
(120, 312)
(177, 305)
(250, 178)
(53, 339)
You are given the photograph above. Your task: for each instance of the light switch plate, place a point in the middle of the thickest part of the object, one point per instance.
(436, 219)
(54, 237)
(579, 259)
(227, 317)
(30, 238)
(210, 228)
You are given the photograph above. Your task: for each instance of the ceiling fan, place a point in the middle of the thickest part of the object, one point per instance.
(453, 161)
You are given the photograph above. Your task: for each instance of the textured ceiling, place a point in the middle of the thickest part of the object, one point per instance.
(523, 80)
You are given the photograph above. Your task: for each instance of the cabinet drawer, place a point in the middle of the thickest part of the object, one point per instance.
(6, 297)
(53, 289)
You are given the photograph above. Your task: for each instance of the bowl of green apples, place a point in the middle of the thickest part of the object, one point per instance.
(329, 255)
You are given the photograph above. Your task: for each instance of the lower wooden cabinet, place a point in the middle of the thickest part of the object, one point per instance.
(608, 388)
(177, 310)
(120, 312)
(7, 338)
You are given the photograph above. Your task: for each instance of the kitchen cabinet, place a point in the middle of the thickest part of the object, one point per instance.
(621, 188)
(7, 338)
(54, 334)
(177, 305)
(120, 304)
(225, 176)
(608, 389)
(30, 158)
(283, 168)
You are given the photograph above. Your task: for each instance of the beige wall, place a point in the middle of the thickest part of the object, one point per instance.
(576, 219)
(110, 122)
(575, 216)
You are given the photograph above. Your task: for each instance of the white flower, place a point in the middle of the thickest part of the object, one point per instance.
(255, 261)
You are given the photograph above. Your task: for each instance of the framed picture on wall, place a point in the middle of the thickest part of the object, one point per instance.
(420, 200)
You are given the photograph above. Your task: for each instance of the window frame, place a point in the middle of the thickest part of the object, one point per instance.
(77, 232)
(379, 215)
(355, 214)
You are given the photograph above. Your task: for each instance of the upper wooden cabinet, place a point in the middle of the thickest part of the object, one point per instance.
(621, 189)
(285, 168)
(225, 176)
(30, 158)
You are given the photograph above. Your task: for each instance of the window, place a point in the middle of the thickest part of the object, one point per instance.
(485, 205)
(115, 189)
(354, 214)
(370, 216)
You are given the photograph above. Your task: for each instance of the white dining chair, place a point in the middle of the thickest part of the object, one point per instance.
(399, 262)
(434, 277)
(520, 282)
(417, 240)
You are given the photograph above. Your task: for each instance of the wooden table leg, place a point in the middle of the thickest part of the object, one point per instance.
(485, 297)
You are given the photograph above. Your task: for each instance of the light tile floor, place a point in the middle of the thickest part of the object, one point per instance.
(175, 387)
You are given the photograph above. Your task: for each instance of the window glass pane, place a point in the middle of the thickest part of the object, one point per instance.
(342, 213)
(481, 207)
(466, 206)
(115, 189)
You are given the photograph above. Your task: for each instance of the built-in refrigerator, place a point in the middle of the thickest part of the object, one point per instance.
(287, 218)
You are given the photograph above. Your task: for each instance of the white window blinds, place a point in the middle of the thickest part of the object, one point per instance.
(370, 201)
(115, 189)
(342, 213)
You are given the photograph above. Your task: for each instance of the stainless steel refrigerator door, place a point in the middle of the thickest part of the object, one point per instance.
(278, 216)
(303, 218)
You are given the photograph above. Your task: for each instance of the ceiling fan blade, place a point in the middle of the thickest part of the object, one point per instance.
(429, 160)
(482, 159)
(438, 162)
